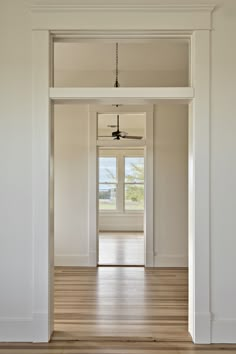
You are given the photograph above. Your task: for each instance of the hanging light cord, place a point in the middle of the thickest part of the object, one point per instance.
(117, 82)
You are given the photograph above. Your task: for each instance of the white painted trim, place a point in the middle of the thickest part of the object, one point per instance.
(170, 260)
(16, 329)
(41, 151)
(132, 36)
(121, 93)
(29, 329)
(159, 23)
(75, 260)
(121, 143)
(93, 202)
(66, 7)
(123, 227)
(108, 16)
(199, 191)
(148, 153)
(202, 327)
(149, 191)
(40, 331)
(223, 330)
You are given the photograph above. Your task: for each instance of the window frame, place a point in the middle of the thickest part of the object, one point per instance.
(133, 184)
(120, 155)
(108, 183)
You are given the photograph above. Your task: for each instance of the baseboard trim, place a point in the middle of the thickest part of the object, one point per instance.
(41, 330)
(202, 328)
(169, 260)
(224, 331)
(121, 228)
(76, 260)
(16, 329)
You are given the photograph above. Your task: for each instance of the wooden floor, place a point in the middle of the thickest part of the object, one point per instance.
(130, 302)
(121, 248)
(114, 347)
(96, 306)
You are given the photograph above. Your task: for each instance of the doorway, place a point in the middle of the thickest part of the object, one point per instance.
(58, 95)
(121, 195)
(123, 199)
(121, 206)
(94, 293)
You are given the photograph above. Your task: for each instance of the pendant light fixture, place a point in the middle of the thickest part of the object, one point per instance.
(117, 58)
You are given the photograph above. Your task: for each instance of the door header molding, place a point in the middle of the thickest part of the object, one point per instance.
(66, 7)
(106, 16)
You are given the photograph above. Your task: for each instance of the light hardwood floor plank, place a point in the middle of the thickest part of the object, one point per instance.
(119, 311)
(135, 303)
(121, 248)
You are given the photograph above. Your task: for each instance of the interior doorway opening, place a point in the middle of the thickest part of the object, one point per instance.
(121, 206)
(198, 173)
(94, 292)
(121, 188)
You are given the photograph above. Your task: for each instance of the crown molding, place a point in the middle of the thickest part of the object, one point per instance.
(67, 7)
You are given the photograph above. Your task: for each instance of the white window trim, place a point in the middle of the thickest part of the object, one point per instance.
(120, 195)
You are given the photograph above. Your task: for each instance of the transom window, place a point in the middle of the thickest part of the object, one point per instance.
(121, 181)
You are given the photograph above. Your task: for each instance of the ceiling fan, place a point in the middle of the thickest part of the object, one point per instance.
(116, 135)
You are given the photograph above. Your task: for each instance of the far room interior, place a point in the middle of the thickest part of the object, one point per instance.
(121, 191)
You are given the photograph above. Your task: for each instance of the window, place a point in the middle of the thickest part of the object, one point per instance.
(107, 183)
(121, 181)
(134, 183)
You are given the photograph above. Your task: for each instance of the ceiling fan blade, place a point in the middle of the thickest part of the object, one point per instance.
(104, 136)
(132, 137)
(123, 134)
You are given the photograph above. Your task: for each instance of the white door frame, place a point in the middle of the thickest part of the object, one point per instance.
(110, 21)
(147, 144)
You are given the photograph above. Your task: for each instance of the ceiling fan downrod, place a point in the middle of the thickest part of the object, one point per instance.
(117, 81)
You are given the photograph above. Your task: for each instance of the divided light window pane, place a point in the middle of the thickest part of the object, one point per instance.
(107, 183)
(134, 170)
(134, 197)
(134, 183)
(107, 170)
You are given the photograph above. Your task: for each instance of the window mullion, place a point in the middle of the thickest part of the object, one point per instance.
(120, 185)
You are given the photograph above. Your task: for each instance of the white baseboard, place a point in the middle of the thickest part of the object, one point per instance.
(202, 328)
(169, 260)
(16, 330)
(76, 260)
(92, 259)
(32, 329)
(121, 228)
(149, 260)
(41, 332)
(224, 330)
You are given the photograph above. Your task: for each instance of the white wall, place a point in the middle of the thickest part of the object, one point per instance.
(72, 78)
(15, 175)
(16, 165)
(171, 185)
(121, 222)
(223, 174)
(71, 184)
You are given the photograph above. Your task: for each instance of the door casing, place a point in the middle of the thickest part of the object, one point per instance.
(77, 21)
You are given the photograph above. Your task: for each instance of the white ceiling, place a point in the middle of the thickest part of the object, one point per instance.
(160, 54)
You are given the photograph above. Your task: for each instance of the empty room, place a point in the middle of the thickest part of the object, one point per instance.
(117, 124)
(121, 194)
